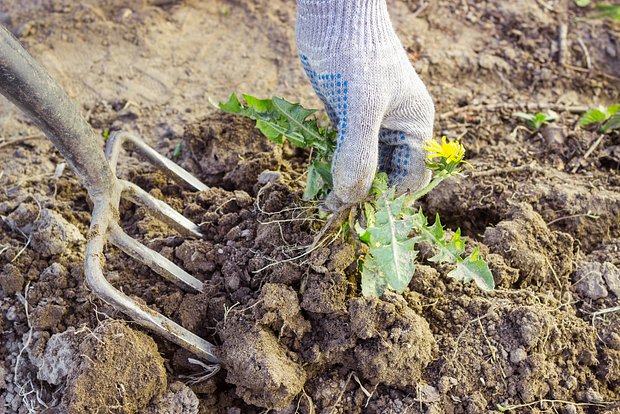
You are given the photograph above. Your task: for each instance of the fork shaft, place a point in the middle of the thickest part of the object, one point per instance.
(30, 87)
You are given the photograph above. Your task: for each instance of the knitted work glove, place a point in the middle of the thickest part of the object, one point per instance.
(372, 94)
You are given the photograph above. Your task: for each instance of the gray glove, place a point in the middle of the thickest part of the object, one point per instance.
(372, 94)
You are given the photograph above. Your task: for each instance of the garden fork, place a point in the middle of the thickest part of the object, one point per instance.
(28, 85)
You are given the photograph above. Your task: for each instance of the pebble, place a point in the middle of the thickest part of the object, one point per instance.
(569, 409)
(594, 396)
(517, 355)
(269, 177)
(2, 376)
(588, 279)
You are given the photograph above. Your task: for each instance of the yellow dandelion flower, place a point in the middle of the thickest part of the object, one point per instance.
(451, 151)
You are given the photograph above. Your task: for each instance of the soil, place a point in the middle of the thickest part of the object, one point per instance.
(292, 329)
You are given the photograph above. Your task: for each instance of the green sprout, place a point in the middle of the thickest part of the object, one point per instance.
(535, 121)
(606, 119)
(278, 120)
(605, 10)
(176, 153)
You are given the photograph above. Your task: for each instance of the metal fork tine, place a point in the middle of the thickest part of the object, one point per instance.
(146, 317)
(160, 209)
(117, 140)
(154, 260)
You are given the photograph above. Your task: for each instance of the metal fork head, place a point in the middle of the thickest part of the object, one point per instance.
(31, 88)
(104, 227)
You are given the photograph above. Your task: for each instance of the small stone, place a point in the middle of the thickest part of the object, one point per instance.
(571, 382)
(517, 355)
(428, 393)
(269, 177)
(59, 356)
(588, 279)
(611, 274)
(2, 376)
(569, 409)
(446, 383)
(594, 396)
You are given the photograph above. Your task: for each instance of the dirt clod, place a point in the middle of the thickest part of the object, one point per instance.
(179, 399)
(54, 235)
(11, 279)
(119, 367)
(395, 344)
(259, 365)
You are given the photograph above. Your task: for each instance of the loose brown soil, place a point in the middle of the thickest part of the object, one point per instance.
(293, 332)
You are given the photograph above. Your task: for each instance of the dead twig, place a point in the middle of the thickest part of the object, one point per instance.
(586, 54)
(589, 152)
(588, 215)
(344, 388)
(420, 9)
(499, 171)
(603, 312)
(562, 43)
(552, 402)
(530, 106)
(598, 73)
(593, 147)
(17, 141)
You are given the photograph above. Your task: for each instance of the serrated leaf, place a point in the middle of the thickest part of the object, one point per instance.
(379, 184)
(396, 263)
(363, 233)
(592, 116)
(476, 269)
(451, 251)
(277, 119)
(612, 11)
(259, 105)
(324, 169)
(232, 106)
(313, 183)
(391, 250)
(612, 123)
(373, 283)
(270, 131)
(305, 134)
(445, 251)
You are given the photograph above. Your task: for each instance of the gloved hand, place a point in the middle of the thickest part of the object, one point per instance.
(372, 94)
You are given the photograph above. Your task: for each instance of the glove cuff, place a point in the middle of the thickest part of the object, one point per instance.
(361, 25)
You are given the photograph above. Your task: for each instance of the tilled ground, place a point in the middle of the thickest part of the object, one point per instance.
(293, 331)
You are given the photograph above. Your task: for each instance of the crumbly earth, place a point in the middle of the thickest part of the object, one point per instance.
(291, 327)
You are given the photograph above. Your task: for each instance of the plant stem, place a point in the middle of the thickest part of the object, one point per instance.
(442, 175)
